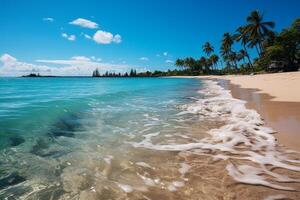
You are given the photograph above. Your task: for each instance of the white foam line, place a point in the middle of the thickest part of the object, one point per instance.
(125, 188)
(276, 197)
(250, 175)
(143, 164)
(244, 127)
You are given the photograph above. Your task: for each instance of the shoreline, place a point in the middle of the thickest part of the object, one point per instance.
(282, 116)
(187, 140)
(273, 96)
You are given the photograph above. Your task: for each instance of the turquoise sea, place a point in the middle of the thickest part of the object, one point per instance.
(35, 108)
(53, 127)
(135, 138)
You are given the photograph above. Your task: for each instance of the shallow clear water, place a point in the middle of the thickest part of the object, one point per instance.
(49, 124)
(30, 108)
(136, 138)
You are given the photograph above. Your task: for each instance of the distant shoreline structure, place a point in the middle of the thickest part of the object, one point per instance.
(163, 74)
(32, 75)
(36, 75)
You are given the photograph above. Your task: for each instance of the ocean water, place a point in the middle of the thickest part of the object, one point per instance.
(135, 138)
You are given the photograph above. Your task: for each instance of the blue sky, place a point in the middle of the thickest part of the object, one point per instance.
(74, 37)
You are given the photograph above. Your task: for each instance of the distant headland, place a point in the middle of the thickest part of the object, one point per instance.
(33, 75)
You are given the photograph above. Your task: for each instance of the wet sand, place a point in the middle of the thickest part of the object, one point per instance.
(215, 174)
(283, 117)
(276, 97)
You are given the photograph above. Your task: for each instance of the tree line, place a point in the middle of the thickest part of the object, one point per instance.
(132, 73)
(276, 51)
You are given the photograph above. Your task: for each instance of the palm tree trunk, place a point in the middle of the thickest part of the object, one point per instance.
(250, 62)
(248, 57)
(258, 52)
(260, 48)
(235, 64)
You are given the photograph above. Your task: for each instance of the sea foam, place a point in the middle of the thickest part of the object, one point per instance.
(243, 138)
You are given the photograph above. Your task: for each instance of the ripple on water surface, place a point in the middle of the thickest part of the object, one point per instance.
(179, 142)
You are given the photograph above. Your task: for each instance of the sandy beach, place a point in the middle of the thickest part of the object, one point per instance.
(282, 87)
(276, 97)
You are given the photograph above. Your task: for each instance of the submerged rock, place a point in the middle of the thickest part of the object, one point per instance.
(10, 180)
(54, 192)
(42, 148)
(16, 140)
(66, 126)
(38, 148)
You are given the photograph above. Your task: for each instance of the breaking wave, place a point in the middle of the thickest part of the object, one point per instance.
(250, 147)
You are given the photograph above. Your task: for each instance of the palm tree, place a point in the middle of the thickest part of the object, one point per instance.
(242, 54)
(233, 57)
(189, 62)
(198, 66)
(208, 48)
(224, 53)
(214, 60)
(179, 62)
(244, 38)
(257, 30)
(227, 41)
(226, 47)
(203, 63)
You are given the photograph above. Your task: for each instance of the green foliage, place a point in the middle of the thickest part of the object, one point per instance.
(271, 47)
(274, 50)
(257, 30)
(208, 49)
(96, 73)
(245, 68)
(261, 64)
(285, 48)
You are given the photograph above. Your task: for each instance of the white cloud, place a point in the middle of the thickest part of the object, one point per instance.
(12, 67)
(6, 58)
(77, 65)
(48, 19)
(68, 37)
(103, 37)
(81, 65)
(72, 61)
(80, 58)
(163, 54)
(169, 61)
(87, 36)
(144, 58)
(96, 59)
(84, 23)
(72, 37)
(117, 38)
